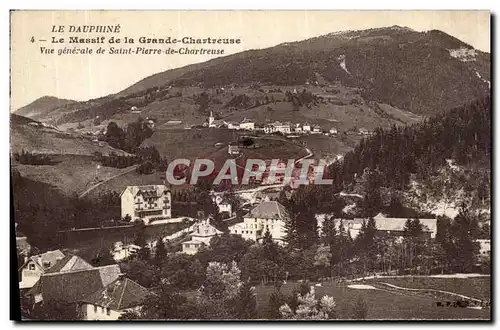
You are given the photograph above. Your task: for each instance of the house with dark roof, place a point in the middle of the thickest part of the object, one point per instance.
(387, 225)
(72, 286)
(202, 233)
(36, 266)
(267, 216)
(69, 263)
(113, 300)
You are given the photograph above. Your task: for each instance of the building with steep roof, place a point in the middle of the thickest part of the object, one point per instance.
(110, 302)
(146, 203)
(36, 266)
(202, 234)
(69, 263)
(391, 226)
(267, 216)
(73, 286)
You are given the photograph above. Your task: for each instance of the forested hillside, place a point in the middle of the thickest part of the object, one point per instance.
(446, 157)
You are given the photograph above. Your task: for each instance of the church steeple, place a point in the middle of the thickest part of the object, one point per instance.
(211, 120)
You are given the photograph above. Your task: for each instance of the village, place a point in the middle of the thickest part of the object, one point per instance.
(106, 293)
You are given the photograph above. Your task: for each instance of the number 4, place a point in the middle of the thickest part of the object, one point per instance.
(32, 39)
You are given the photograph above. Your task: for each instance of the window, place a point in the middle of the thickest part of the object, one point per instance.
(108, 311)
(102, 310)
(31, 266)
(95, 309)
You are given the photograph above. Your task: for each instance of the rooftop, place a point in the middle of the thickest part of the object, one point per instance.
(268, 210)
(121, 294)
(70, 263)
(48, 259)
(148, 190)
(74, 286)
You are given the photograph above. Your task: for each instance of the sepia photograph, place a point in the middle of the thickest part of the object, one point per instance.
(263, 165)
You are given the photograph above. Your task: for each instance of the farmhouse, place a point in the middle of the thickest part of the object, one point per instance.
(223, 203)
(297, 128)
(333, 131)
(202, 234)
(391, 226)
(110, 302)
(232, 125)
(282, 128)
(247, 124)
(364, 131)
(316, 129)
(146, 203)
(233, 149)
(36, 266)
(269, 129)
(73, 286)
(267, 216)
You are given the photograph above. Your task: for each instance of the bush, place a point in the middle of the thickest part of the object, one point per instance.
(360, 309)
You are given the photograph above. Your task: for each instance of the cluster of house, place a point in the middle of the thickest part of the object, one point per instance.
(95, 293)
(275, 127)
(104, 293)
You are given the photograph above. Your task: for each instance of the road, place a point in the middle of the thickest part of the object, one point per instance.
(106, 180)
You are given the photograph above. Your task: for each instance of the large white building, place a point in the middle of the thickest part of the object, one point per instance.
(247, 124)
(202, 234)
(267, 216)
(147, 203)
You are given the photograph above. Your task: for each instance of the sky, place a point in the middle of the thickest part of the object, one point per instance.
(83, 77)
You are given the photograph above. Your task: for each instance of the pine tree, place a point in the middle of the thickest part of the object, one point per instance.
(276, 300)
(329, 238)
(246, 305)
(160, 251)
(291, 235)
(464, 248)
(365, 244)
(360, 309)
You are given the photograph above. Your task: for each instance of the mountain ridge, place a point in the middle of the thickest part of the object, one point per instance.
(417, 72)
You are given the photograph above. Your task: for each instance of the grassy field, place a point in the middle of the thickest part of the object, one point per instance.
(475, 287)
(190, 144)
(382, 305)
(183, 145)
(49, 141)
(328, 147)
(70, 174)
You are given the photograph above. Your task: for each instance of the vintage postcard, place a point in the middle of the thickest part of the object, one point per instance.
(250, 165)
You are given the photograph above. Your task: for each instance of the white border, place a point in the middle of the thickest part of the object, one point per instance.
(187, 4)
